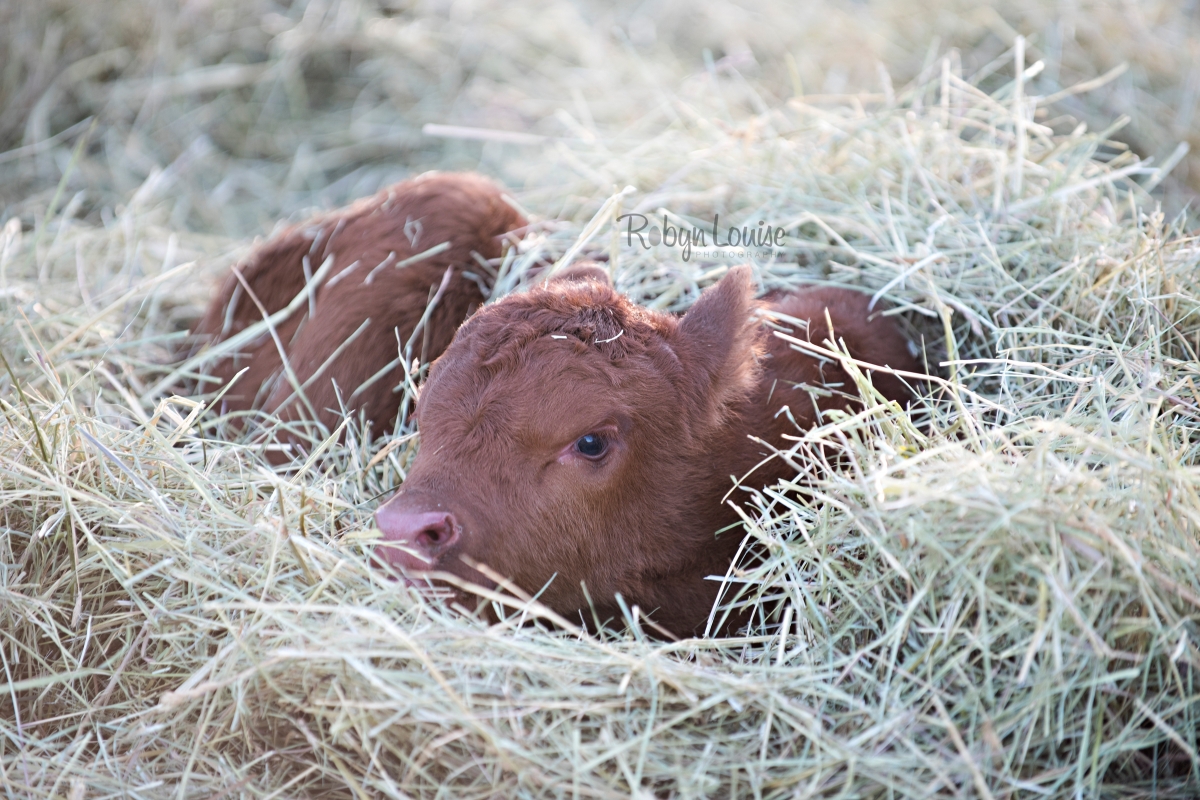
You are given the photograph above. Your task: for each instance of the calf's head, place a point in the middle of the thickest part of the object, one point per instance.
(567, 440)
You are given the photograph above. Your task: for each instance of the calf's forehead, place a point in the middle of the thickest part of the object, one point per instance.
(555, 390)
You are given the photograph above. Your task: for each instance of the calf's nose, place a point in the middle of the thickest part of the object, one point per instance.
(414, 540)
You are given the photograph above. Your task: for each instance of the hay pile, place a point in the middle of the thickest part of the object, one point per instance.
(998, 597)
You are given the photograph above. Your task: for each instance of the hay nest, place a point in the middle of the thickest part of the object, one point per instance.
(998, 596)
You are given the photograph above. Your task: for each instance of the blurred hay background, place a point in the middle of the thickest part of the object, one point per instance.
(999, 602)
(260, 109)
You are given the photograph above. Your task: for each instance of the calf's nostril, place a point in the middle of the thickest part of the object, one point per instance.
(422, 537)
(439, 535)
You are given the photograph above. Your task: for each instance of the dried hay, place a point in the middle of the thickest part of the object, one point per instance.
(997, 597)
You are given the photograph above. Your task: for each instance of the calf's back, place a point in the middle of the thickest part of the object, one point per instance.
(362, 308)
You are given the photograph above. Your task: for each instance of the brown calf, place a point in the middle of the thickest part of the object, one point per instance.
(358, 282)
(572, 439)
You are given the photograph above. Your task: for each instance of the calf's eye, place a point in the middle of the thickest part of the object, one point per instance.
(592, 445)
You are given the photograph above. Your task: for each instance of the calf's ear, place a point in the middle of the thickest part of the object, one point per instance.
(716, 341)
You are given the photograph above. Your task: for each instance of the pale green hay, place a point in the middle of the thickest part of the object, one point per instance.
(997, 595)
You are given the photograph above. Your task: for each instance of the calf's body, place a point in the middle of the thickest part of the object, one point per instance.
(575, 441)
(364, 276)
